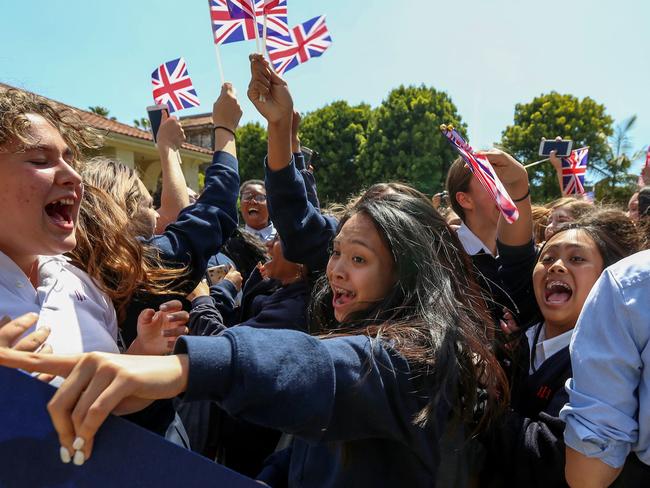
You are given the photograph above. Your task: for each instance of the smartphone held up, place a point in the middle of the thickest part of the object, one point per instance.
(561, 147)
(157, 114)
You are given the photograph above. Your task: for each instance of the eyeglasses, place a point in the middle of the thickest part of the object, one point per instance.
(249, 197)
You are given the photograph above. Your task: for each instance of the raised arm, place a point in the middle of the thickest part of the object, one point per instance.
(305, 233)
(201, 229)
(174, 197)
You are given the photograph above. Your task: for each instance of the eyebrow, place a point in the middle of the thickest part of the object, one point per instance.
(355, 241)
(67, 153)
(555, 246)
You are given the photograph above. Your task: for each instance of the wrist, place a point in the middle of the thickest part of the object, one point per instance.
(221, 128)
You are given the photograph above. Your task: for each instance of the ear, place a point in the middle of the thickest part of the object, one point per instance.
(465, 200)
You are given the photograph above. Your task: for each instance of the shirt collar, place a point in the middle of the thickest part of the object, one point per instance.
(545, 348)
(266, 234)
(472, 244)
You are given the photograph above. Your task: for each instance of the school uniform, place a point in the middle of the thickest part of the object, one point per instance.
(349, 402)
(80, 316)
(293, 206)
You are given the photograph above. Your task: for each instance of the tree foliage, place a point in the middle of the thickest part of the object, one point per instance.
(404, 142)
(336, 132)
(102, 111)
(251, 150)
(584, 121)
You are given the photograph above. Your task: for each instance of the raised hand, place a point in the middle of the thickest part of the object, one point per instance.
(226, 111)
(171, 134)
(510, 171)
(235, 278)
(266, 83)
(158, 331)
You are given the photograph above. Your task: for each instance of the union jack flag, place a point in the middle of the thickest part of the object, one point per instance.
(231, 23)
(305, 41)
(574, 169)
(484, 173)
(172, 86)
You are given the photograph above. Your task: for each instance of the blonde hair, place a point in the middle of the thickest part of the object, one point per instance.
(108, 247)
(14, 125)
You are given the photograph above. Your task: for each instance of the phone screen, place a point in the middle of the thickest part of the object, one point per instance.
(562, 148)
(156, 117)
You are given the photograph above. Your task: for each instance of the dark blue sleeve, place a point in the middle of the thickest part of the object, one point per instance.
(275, 472)
(515, 269)
(202, 228)
(339, 389)
(205, 318)
(224, 295)
(306, 234)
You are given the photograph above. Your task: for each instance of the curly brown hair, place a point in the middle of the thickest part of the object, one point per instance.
(14, 125)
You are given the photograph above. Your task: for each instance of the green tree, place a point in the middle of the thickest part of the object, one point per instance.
(251, 150)
(103, 111)
(617, 184)
(584, 121)
(336, 132)
(404, 141)
(142, 123)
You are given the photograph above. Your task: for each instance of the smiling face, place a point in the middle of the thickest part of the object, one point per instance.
(40, 195)
(361, 270)
(567, 269)
(559, 216)
(253, 206)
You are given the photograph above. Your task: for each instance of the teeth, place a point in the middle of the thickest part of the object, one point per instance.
(551, 284)
(64, 201)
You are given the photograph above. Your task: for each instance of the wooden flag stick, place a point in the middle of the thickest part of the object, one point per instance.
(219, 64)
(264, 31)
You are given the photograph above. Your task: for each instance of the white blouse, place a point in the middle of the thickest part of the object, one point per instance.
(80, 316)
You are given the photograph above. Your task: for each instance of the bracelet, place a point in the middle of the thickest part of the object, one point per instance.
(517, 200)
(224, 128)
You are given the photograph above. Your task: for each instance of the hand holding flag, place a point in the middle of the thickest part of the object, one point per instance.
(480, 166)
(265, 83)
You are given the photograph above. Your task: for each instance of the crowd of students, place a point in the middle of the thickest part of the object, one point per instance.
(392, 342)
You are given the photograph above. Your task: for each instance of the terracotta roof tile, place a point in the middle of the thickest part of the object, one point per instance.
(102, 123)
(196, 120)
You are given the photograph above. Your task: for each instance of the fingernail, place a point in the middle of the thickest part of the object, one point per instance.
(164, 307)
(78, 443)
(65, 455)
(79, 458)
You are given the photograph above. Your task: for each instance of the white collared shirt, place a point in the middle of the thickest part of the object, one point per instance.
(545, 348)
(472, 244)
(266, 234)
(80, 316)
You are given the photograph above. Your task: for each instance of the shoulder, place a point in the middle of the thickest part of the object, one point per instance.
(631, 272)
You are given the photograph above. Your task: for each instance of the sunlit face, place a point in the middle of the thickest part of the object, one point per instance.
(567, 269)
(558, 217)
(633, 207)
(278, 267)
(361, 270)
(253, 206)
(40, 195)
(484, 209)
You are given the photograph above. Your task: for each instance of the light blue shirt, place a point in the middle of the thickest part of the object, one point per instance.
(608, 414)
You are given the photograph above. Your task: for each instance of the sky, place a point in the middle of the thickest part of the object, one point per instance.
(488, 55)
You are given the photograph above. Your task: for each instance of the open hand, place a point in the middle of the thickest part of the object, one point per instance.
(158, 331)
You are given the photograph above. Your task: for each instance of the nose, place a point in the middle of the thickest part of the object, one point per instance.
(557, 267)
(337, 269)
(67, 176)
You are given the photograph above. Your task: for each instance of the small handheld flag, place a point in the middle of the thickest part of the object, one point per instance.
(574, 169)
(305, 41)
(252, 13)
(484, 173)
(172, 86)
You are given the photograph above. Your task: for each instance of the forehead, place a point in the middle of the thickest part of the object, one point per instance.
(571, 238)
(255, 189)
(359, 229)
(42, 133)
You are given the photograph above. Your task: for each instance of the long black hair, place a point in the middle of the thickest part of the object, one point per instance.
(434, 316)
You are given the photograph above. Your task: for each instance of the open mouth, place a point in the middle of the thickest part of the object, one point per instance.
(60, 212)
(342, 296)
(557, 292)
(253, 211)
